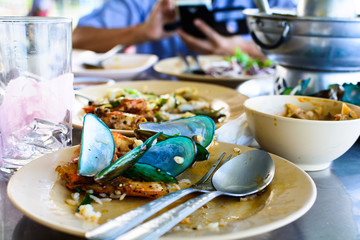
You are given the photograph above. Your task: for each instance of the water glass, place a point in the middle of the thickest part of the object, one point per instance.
(36, 88)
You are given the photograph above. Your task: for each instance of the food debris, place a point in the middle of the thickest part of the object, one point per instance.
(237, 150)
(179, 160)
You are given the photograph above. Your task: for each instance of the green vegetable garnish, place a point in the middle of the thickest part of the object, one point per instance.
(247, 61)
(86, 200)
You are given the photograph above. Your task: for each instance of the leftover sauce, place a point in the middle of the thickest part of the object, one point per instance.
(318, 113)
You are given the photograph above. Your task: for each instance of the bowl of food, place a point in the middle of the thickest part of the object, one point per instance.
(308, 131)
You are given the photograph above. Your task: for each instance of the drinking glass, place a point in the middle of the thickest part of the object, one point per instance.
(36, 88)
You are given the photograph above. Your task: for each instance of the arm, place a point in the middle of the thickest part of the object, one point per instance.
(102, 39)
(216, 43)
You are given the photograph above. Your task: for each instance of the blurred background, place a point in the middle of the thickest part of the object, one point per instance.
(67, 8)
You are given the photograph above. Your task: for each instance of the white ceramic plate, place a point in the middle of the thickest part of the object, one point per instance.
(231, 100)
(36, 192)
(121, 67)
(257, 87)
(175, 67)
(82, 82)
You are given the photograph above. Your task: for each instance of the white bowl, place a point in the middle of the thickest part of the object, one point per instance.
(311, 144)
(121, 67)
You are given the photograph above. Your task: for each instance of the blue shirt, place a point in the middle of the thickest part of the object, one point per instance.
(124, 13)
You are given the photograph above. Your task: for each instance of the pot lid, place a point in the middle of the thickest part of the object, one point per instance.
(290, 14)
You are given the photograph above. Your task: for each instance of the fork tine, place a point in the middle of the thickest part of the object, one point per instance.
(228, 158)
(196, 58)
(183, 57)
(198, 69)
(211, 170)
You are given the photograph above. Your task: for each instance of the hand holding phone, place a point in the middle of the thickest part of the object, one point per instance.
(188, 12)
(218, 19)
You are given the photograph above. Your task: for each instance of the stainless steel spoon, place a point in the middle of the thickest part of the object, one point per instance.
(97, 63)
(243, 175)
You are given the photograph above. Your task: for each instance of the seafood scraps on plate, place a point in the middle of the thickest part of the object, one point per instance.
(238, 65)
(123, 109)
(109, 163)
(110, 174)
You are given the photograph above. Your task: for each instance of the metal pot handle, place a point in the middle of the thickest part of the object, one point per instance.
(277, 43)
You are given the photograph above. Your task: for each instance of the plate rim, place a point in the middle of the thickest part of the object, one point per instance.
(231, 235)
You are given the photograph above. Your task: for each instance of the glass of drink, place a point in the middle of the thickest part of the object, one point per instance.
(36, 88)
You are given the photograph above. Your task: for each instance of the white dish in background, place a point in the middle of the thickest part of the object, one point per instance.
(175, 66)
(257, 87)
(120, 67)
(36, 191)
(81, 82)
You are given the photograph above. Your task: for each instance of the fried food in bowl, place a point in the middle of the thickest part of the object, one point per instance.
(311, 144)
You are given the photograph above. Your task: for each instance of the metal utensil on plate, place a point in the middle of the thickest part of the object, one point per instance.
(80, 95)
(97, 63)
(128, 220)
(243, 175)
(198, 69)
(191, 69)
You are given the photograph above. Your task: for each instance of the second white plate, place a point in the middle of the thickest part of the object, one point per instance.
(231, 100)
(175, 67)
(123, 66)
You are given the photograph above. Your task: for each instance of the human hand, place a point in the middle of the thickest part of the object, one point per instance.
(216, 43)
(162, 12)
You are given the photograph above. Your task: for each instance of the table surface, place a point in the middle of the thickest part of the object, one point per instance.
(335, 214)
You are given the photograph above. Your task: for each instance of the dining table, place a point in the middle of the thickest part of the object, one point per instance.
(334, 215)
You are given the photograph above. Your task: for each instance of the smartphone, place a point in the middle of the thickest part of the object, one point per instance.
(187, 11)
(218, 19)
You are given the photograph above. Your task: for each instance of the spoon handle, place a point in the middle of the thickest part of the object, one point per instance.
(158, 226)
(116, 49)
(130, 219)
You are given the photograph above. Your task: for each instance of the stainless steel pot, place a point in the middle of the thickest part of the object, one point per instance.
(327, 8)
(330, 44)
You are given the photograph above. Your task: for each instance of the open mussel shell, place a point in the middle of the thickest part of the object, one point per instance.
(97, 146)
(200, 128)
(148, 173)
(202, 153)
(122, 164)
(172, 156)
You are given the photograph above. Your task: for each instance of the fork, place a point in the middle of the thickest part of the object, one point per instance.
(130, 219)
(198, 69)
(189, 69)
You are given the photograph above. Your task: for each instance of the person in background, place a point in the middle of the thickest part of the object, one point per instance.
(216, 43)
(140, 23)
